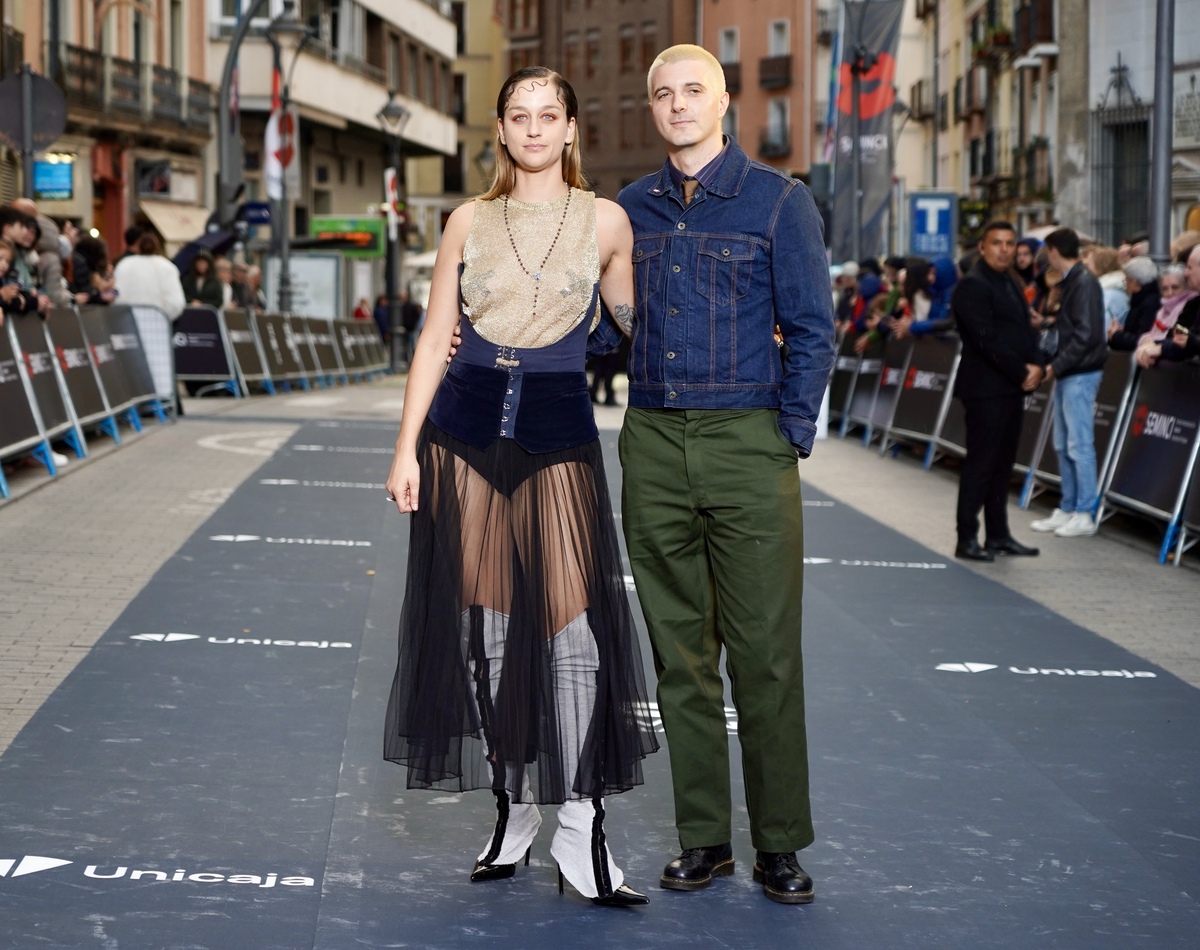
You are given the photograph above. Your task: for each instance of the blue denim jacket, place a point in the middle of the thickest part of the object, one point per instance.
(712, 281)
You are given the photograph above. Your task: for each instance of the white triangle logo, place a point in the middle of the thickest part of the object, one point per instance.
(165, 637)
(30, 864)
(966, 667)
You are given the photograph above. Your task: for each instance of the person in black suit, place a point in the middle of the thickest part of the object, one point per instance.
(1000, 364)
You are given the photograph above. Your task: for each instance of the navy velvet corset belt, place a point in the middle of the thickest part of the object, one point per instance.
(536, 396)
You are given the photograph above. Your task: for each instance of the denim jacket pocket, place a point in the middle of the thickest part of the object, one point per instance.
(723, 269)
(647, 267)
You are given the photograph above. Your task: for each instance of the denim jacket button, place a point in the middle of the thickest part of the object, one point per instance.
(670, 354)
(725, 252)
(672, 394)
(681, 226)
(675, 269)
(673, 311)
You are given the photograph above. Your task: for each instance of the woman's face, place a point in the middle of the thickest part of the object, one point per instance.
(1171, 285)
(202, 266)
(535, 128)
(1024, 257)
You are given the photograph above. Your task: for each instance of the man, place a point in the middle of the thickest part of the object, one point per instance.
(239, 283)
(49, 256)
(999, 365)
(724, 249)
(256, 299)
(1078, 365)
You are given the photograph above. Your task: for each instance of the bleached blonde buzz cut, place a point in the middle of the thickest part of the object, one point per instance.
(687, 52)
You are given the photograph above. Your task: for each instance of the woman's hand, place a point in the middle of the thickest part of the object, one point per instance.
(1147, 354)
(404, 482)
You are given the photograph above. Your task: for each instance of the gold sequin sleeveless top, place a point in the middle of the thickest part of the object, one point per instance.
(498, 290)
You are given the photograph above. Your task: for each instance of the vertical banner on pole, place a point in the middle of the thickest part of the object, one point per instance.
(875, 26)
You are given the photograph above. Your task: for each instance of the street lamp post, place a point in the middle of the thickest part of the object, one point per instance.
(286, 33)
(392, 119)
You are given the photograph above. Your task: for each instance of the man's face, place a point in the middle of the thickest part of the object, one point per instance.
(998, 249)
(224, 271)
(1024, 257)
(684, 102)
(1192, 275)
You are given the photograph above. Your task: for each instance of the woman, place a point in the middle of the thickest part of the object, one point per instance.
(201, 286)
(149, 279)
(90, 281)
(1025, 261)
(1141, 283)
(1106, 265)
(1176, 294)
(519, 668)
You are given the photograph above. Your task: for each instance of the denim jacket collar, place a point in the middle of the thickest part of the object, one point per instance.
(727, 183)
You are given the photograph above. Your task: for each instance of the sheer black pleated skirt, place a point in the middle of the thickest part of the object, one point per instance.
(519, 665)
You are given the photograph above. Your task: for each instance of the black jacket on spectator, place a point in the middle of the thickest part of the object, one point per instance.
(997, 339)
(1189, 317)
(1082, 335)
(1143, 309)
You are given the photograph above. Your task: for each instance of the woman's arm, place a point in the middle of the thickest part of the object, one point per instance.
(615, 237)
(429, 361)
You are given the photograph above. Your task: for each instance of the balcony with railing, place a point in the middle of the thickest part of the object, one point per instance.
(12, 51)
(922, 101)
(1033, 25)
(976, 89)
(733, 77)
(826, 25)
(1033, 171)
(997, 41)
(775, 72)
(96, 82)
(775, 142)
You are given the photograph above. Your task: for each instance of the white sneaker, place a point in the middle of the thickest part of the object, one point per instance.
(1057, 520)
(1081, 525)
(59, 459)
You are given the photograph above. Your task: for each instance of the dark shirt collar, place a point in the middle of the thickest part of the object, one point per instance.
(708, 174)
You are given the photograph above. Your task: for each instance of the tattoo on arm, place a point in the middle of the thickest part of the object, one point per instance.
(623, 314)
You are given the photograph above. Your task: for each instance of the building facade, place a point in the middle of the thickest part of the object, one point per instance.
(139, 112)
(360, 50)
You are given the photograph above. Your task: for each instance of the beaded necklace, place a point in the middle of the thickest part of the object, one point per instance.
(536, 275)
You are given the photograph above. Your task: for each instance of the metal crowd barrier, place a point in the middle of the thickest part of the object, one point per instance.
(1147, 426)
(234, 350)
(78, 369)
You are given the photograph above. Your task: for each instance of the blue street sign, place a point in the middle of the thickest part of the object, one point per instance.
(933, 224)
(256, 212)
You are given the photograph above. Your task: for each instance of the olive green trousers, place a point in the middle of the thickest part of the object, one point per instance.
(713, 521)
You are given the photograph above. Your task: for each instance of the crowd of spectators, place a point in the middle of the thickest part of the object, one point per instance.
(1149, 311)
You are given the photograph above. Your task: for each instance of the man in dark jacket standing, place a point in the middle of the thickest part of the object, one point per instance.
(1078, 365)
(999, 365)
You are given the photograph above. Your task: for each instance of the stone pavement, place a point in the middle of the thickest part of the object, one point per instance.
(75, 550)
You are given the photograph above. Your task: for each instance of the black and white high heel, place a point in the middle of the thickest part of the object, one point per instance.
(496, 872)
(623, 896)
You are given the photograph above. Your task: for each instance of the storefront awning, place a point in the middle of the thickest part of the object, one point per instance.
(177, 223)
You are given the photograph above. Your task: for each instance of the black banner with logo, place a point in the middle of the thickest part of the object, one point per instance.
(244, 345)
(1035, 425)
(18, 427)
(126, 342)
(841, 383)
(351, 353)
(279, 346)
(304, 346)
(926, 386)
(200, 345)
(33, 349)
(320, 335)
(104, 358)
(876, 26)
(896, 356)
(75, 362)
(865, 383)
(1156, 454)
